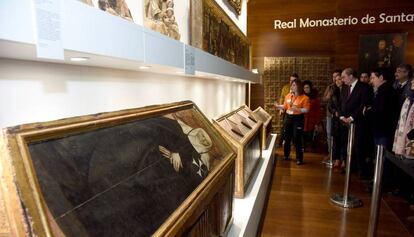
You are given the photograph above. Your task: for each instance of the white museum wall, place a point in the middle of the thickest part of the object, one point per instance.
(239, 20)
(182, 16)
(37, 91)
(181, 13)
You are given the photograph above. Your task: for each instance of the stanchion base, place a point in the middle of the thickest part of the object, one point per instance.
(352, 201)
(329, 164)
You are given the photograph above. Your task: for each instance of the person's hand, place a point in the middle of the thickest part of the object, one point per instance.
(346, 120)
(365, 110)
(176, 161)
(278, 106)
(336, 114)
(294, 110)
(174, 158)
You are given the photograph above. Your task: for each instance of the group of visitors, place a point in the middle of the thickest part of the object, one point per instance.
(380, 106)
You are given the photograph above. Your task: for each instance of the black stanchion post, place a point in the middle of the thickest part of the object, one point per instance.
(346, 200)
(376, 193)
(329, 163)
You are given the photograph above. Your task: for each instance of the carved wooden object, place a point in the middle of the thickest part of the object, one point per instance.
(244, 132)
(261, 115)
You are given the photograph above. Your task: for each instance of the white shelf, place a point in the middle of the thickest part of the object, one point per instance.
(247, 212)
(89, 30)
(108, 41)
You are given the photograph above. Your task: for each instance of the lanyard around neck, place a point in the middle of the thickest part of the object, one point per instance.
(293, 98)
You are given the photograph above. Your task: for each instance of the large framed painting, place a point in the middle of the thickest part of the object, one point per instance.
(213, 31)
(155, 171)
(244, 133)
(381, 51)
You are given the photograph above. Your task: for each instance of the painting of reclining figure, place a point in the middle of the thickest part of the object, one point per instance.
(125, 179)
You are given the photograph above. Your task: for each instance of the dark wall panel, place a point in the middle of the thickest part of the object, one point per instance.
(340, 43)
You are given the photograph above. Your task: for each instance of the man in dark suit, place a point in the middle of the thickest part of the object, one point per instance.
(384, 115)
(359, 95)
(384, 112)
(403, 75)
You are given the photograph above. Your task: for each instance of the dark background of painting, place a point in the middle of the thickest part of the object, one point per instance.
(368, 51)
(114, 181)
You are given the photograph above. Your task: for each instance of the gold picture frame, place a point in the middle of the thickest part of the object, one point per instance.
(266, 118)
(29, 210)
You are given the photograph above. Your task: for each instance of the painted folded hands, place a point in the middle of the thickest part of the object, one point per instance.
(174, 158)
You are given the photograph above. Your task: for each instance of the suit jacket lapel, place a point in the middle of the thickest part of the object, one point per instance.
(353, 91)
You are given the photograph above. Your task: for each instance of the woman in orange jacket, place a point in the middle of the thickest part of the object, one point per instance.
(296, 104)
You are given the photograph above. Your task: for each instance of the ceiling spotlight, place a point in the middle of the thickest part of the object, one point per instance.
(79, 59)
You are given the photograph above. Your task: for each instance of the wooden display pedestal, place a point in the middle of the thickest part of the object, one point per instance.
(244, 132)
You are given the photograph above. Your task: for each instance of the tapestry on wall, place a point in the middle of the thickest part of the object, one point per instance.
(381, 51)
(277, 71)
(221, 38)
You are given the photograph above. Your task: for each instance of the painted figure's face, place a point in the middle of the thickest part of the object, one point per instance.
(202, 137)
(382, 44)
(397, 41)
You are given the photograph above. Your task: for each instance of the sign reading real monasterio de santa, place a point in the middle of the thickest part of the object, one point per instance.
(382, 18)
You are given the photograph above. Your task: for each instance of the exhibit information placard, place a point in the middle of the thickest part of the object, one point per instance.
(48, 29)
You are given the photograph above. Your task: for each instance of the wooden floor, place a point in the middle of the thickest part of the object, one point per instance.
(299, 204)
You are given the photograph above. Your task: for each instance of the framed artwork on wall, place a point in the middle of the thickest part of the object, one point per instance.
(222, 38)
(381, 51)
(213, 31)
(138, 172)
(236, 4)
